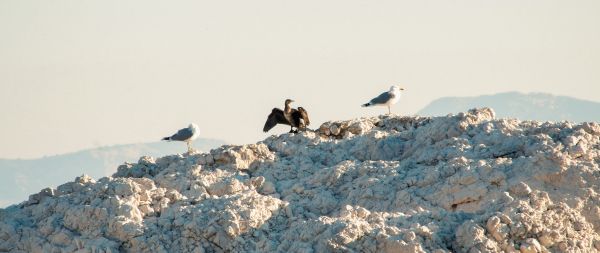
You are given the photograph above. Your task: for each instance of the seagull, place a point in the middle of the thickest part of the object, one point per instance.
(387, 98)
(186, 134)
(297, 118)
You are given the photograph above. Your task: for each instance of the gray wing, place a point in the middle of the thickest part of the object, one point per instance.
(182, 135)
(382, 99)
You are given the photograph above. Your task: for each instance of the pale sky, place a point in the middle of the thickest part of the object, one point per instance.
(80, 74)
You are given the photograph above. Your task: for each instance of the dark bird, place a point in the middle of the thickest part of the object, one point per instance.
(297, 118)
(186, 134)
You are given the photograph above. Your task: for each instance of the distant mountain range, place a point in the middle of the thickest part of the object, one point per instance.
(531, 106)
(20, 178)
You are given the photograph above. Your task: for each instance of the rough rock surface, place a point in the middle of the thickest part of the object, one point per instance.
(460, 183)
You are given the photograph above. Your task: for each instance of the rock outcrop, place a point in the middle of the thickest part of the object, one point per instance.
(460, 183)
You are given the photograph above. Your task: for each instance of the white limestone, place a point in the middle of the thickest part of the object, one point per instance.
(463, 183)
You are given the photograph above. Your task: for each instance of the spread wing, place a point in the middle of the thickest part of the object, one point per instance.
(276, 117)
(303, 115)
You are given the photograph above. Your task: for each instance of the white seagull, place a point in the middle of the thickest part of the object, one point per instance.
(387, 98)
(186, 134)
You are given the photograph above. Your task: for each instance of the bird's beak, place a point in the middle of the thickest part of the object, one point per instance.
(401, 88)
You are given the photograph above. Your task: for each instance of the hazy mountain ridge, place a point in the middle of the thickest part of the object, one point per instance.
(462, 183)
(22, 177)
(524, 106)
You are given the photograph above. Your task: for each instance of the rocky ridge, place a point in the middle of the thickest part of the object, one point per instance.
(459, 183)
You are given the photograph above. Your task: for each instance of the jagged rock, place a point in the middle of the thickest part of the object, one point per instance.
(458, 183)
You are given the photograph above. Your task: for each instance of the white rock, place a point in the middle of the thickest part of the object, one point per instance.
(464, 183)
(531, 246)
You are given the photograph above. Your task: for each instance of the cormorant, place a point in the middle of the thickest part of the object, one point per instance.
(297, 118)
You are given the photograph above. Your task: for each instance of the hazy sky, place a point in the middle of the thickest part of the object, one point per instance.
(79, 74)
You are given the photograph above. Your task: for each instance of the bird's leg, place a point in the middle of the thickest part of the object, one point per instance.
(291, 129)
(189, 147)
(389, 110)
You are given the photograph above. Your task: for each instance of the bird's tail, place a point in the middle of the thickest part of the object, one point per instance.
(366, 105)
(166, 139)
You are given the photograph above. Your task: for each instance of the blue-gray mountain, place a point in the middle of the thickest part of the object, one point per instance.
(20, 178)
(531, 106)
